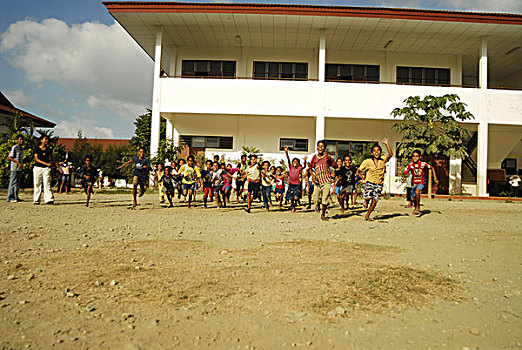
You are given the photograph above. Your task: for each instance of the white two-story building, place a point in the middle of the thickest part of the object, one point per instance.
(269, 76)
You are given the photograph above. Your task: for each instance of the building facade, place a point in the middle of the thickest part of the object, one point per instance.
(269, 76)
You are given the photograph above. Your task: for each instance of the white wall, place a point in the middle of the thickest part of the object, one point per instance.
(516, 152)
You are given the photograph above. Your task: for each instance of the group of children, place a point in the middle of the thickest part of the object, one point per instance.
(259, 181)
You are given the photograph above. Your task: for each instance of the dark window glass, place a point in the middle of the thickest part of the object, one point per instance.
(424, 76)
(416, 75)
(190, 68)
(300, 145)
(352, 72)
(220, 142)
(280, 70)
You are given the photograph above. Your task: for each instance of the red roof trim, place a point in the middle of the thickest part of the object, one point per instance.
(45, 123)
(314, 10)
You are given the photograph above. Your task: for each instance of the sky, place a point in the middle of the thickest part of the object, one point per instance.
(68, 61)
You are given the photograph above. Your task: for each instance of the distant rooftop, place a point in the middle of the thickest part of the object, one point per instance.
(8, 109)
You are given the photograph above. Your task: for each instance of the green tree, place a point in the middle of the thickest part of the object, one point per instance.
(167, 151)
(142, 131)
(432, 124)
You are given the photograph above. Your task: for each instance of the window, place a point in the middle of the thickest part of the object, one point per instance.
(423, 76)
(300, 145)
(220, 142)
(352, 72)
(191, 68)
(356, 149)
(281, 70)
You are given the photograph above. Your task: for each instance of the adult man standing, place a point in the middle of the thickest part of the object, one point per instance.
(16, 156)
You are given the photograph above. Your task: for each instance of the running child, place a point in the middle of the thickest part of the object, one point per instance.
(240, 182)
(190, 174)
(417, 168)
(345, 177)
(140, 176)
(253, 176)
(322, 178)
(207, 184)
(294, 180)
(336, 179)
(88, 175)
(216, 179)
(167, 181)
(279, 186)
(160, 169)
(374, 168)
(267, 180)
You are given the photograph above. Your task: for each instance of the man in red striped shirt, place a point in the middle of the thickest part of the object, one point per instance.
(321, 177)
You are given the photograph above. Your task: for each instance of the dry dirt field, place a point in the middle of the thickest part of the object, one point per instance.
(108, 277)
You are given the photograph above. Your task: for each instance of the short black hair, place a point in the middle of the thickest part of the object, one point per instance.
(252, 156)
(267, 162)
(141, 148)
(347, 156)
(323, 142)
(190, 157)
(19, 136)
(168, 167)
(417, 151)
(88, 157)
(243, 156)
(378, 146)
(208, 160)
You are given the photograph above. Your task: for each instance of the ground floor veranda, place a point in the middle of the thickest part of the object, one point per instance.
(495, 144)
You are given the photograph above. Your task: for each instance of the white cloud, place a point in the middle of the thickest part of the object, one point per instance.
(68, 128)
(89, 58)
(123, 109)
(18, 98)
(512, 6)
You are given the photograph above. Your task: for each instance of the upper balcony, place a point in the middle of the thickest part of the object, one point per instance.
(338, 100)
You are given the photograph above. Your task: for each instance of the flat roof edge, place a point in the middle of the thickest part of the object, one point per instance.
(314, 10)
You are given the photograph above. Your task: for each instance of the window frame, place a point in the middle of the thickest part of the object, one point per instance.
(421, 80)
(209, 70)
(293, 147)
(269, 69)
(352, 68)
(222, 141)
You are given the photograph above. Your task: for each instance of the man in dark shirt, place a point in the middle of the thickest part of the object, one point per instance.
(345, 177)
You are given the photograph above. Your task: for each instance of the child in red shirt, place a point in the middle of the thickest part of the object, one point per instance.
(418, 181)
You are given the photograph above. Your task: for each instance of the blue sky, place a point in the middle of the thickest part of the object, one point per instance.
(67, 60)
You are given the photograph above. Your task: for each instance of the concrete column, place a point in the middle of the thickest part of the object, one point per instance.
(482, 159)
(169, 130)
(156, 95)
(320, 119)
(175, 134)
(455, 176)
(173, 61)
(483, 64)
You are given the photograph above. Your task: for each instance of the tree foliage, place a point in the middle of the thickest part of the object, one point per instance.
(432, 124)
(16, 125)
(142, 131)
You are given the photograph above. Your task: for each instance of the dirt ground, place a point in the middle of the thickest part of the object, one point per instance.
(110, 277)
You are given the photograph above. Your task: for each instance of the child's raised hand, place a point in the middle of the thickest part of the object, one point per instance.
(286, 149)
(385, 140)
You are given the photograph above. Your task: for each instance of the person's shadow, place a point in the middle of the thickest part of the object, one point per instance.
(389, 216)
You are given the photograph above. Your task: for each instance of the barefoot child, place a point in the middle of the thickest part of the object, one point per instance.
(216, 178)
(322, 178)
(418, 180)
(345, 176)
(140, 176)
(279, 186)
(253, 176)
(88, 175)
(167, 181)
(207, 184)
(157, 176)
(190, 175)
(266, 184)
(294, 180)
(374, 168)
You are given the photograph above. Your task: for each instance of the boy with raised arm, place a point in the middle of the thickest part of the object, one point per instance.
(374, 168)
(294, 180)
(321, 177)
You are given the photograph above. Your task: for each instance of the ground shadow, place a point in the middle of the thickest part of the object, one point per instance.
(389, 216)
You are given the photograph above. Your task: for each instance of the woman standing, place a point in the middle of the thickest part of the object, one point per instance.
(44, 160)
